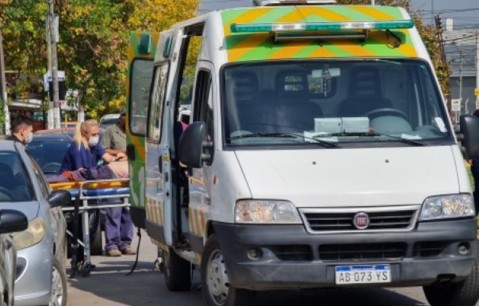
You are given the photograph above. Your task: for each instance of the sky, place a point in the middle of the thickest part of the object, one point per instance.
(464, 12)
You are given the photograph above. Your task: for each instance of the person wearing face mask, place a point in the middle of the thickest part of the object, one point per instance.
(85, 151)
(22, 130)
(118, 223)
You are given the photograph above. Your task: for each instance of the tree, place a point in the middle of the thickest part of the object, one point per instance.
(93, 42)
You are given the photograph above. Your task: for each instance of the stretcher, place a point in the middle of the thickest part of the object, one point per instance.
(86, 196)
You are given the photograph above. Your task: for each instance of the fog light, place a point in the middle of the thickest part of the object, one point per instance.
(255, 253)
(464, 248)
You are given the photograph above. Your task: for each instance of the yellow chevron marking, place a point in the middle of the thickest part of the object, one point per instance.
(374, 13)
(247, 45)
(324, 13)
(289, 50)
(247, 17)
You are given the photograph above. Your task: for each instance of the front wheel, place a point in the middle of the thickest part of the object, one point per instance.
(215, 284)
(464, 293)
(58, 295)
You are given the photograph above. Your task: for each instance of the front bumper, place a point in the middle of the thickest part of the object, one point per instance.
(34, 275)
(293, 258)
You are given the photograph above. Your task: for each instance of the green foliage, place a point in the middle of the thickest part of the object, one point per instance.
(93, 42)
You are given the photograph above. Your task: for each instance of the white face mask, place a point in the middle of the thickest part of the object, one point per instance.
(29, 138)
(93, 141)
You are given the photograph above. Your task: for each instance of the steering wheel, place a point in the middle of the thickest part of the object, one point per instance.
(386, 111)
(6, 195)
(51, 167)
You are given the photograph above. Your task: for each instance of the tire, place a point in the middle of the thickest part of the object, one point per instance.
(177, 272)
(215, 285)
(464, 293)
(58, 296)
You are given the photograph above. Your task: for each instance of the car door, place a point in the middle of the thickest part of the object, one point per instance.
(57, 219)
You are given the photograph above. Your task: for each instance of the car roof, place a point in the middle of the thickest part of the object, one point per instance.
(7, 145)
(110, 116)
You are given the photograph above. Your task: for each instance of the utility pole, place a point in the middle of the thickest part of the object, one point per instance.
(477, 72)
(460, 80)
(3, 88)
(54, 61)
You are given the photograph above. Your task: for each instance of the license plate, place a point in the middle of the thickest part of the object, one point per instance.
(364, 274)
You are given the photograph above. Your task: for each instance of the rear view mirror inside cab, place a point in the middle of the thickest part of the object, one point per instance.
(325, 73)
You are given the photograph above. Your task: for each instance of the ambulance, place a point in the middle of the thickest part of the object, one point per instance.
(319, 153)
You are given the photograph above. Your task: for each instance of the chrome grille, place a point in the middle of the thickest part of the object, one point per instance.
(332, 220)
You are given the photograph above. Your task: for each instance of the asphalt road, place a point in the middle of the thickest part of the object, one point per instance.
(109, 286)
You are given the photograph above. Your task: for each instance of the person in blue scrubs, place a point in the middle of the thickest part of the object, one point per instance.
(85, 151)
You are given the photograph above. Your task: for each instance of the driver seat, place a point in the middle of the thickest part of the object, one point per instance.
(364, 92)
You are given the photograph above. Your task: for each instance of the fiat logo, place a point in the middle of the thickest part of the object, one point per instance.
(361, 220)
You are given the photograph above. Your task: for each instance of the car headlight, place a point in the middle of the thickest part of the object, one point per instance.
(448, 206)
(266, 211)
(31, 236)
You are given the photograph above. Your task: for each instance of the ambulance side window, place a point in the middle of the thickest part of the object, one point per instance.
(156, 104)
(204, 102)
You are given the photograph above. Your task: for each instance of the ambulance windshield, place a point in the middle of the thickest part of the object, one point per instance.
(366, 102)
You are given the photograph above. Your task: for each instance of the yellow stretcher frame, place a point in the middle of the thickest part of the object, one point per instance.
(81, 194)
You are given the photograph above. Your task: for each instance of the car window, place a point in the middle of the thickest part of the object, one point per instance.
(15, 184)
(49, 153)
(41, 180)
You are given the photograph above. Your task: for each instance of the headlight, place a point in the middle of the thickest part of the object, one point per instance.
(448, 206)
(31, 236)
(266, 211)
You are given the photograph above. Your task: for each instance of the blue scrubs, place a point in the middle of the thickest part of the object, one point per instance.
(76, 158)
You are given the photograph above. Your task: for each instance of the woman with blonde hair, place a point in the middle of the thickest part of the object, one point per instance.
(85, 151)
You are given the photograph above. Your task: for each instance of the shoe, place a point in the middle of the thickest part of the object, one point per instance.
(128, 251)
(113, 253)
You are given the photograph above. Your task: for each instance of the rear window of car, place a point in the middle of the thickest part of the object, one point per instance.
(49, 152)
(15, 184)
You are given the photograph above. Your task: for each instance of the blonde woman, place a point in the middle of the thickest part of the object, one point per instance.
(85, 151)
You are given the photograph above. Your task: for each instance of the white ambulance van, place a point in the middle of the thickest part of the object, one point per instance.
(319, 153)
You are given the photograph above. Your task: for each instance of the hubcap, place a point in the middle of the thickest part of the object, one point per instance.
(56, 297)
(217, 278)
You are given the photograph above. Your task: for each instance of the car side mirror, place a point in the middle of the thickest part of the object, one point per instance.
(470, 129)
(12, 221)
(192, 147)
(59, 198)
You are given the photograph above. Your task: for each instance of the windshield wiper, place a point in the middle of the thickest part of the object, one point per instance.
(324, 143)
(254, 135)
(401, 139)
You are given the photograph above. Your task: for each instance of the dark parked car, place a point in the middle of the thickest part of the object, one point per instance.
(49, 148)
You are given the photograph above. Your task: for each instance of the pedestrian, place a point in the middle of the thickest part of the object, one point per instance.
(22, 130)
(118, 222)
(85, 151)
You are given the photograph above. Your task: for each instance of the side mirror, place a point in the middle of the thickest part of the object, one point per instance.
(470, 129)
(192, 146)
(59, 198)
(12, 221)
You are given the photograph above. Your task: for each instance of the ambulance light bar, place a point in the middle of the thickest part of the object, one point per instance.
(321, 26)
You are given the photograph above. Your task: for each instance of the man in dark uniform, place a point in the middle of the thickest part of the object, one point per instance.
(22, 130)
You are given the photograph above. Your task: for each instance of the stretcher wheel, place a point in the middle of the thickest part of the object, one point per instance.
(86, 269)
